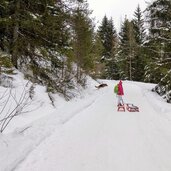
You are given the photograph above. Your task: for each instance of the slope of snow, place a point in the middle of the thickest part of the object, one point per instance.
(88, 134)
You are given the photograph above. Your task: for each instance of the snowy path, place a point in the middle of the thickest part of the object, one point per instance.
(99, 138)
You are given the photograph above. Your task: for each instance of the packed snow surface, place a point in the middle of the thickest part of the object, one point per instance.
(89, 134)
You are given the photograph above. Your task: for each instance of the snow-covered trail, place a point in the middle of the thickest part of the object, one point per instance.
(101, 139)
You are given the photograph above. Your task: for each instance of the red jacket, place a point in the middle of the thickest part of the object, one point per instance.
(120, 88)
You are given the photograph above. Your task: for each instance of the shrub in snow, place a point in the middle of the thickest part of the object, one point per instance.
(6, 80)
(168, 97)
(161, 90)
(13, 102)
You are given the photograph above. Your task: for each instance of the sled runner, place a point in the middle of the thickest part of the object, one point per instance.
(132, 108)
(121, 108)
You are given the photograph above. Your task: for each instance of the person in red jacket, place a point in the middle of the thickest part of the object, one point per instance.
(120, 94)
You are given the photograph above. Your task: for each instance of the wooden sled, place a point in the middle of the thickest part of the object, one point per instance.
(132, 108)
(121, 108)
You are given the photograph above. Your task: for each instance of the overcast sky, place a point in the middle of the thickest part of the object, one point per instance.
(117, 9)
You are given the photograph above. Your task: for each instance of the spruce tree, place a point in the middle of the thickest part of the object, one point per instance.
(127, 50)
(44, 37)
(82, 40)
(97, 53)
(107, 34)
(158, 70)
(139, 32)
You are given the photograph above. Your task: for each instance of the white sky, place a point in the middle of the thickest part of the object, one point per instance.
(117, 9)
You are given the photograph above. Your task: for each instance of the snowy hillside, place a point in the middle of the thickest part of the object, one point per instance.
(88, 134)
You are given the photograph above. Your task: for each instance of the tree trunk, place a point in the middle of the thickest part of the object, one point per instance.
(15, 35)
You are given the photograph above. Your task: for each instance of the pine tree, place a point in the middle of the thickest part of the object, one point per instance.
(159, 43)
(139, 26)
(127, 50)
(44, 37)
(139, 59)
(107, 34)
(97, 52)
(82, 40)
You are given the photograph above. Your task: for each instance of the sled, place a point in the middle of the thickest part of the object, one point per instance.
(121, 108)
(132, 108)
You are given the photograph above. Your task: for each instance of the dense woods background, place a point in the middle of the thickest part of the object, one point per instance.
(55, 43)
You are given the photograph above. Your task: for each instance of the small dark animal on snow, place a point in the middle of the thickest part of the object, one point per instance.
(101, 86)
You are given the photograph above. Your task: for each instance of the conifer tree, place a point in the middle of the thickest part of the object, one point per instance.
(82, 39)
(139, 32)
(97, 52)
(159, 43)
(127, 50)
(107, 34)
(138, 22)
(40, 37)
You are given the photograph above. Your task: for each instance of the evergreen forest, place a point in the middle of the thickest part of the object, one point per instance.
(55, 43)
